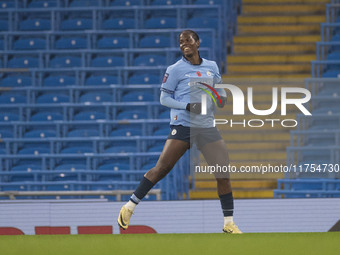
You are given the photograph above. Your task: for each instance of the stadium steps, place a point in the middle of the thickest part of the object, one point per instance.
(278, 36)
(267, 75)
(273, 47)
(278, 28)
(288, 68)
(281, 7)
(285, 1)
(241, 189)
(239, 184)
(291, 20)
(266, 59)
(245, 39)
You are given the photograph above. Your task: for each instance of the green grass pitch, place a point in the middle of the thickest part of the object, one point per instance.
(175, 244)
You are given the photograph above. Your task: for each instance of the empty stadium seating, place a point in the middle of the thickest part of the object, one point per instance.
(80, 110)
(315, 146)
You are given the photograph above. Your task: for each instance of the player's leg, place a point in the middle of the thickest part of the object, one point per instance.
(173, 150)
(216, 154)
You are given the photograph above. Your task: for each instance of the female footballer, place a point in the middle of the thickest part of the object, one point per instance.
(188, 126)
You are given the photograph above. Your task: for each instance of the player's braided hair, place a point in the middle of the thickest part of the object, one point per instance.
(193, 33)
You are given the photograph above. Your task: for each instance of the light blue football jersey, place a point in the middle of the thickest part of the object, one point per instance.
(182, 81)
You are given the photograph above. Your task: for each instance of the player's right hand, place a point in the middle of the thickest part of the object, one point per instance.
(194, 107)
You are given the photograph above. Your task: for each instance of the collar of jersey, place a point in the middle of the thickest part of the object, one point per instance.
(187, 61)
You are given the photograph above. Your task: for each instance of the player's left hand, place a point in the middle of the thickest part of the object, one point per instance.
(223, 100)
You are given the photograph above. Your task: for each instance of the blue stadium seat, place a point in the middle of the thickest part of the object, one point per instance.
(167, 2)
(132, 114)
(3, 150)
(331, 74)
(113, 42)
(90, 115)
(101, 80)
(26, 167)
(65, 61)
(96, 97)
(42, 4)
(202, 22)
(71, 43)
(6, 134)
(161, 23)
(35, 24)
(335, 38)
(21, 178)
(125, 2)
(121, 149)
(154, 41)
(126, 131)
(109, 176)
(76, 24)
(206, 41)
(77, 150)
(65, 176)
(30, 44)
(83, 133)
(162, 131)
(148, 165)
(11, 98)
(16, 81)
(57, 187)
(118, 23)
(107, 61)
(144, 79)
(70, 167)
(47, 116)
(156, 148)
(51, 98)
(2, 46)
(3, 25)
(20, 187)
(5, 117)
(137, 96)
(164, 115)
(59, 80)
(26, 176)
(84, 3)
(23, 62)
(40, 133)
(209, 2)
(114, 167)
(149, 60)
(334, 56)
(7, 4)
(34, 150)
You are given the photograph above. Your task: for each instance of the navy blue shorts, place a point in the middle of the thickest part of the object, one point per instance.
(199, 136)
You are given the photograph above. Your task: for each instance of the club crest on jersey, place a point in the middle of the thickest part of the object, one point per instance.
(174, 131)
(165, 78)
(209, 73)
(198, 73)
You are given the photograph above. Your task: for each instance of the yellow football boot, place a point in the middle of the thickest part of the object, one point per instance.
(231, 228)
(124, 217)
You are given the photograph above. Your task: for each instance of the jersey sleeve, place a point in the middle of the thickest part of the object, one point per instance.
(170, 81)
(217, 75)
(218, 80)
